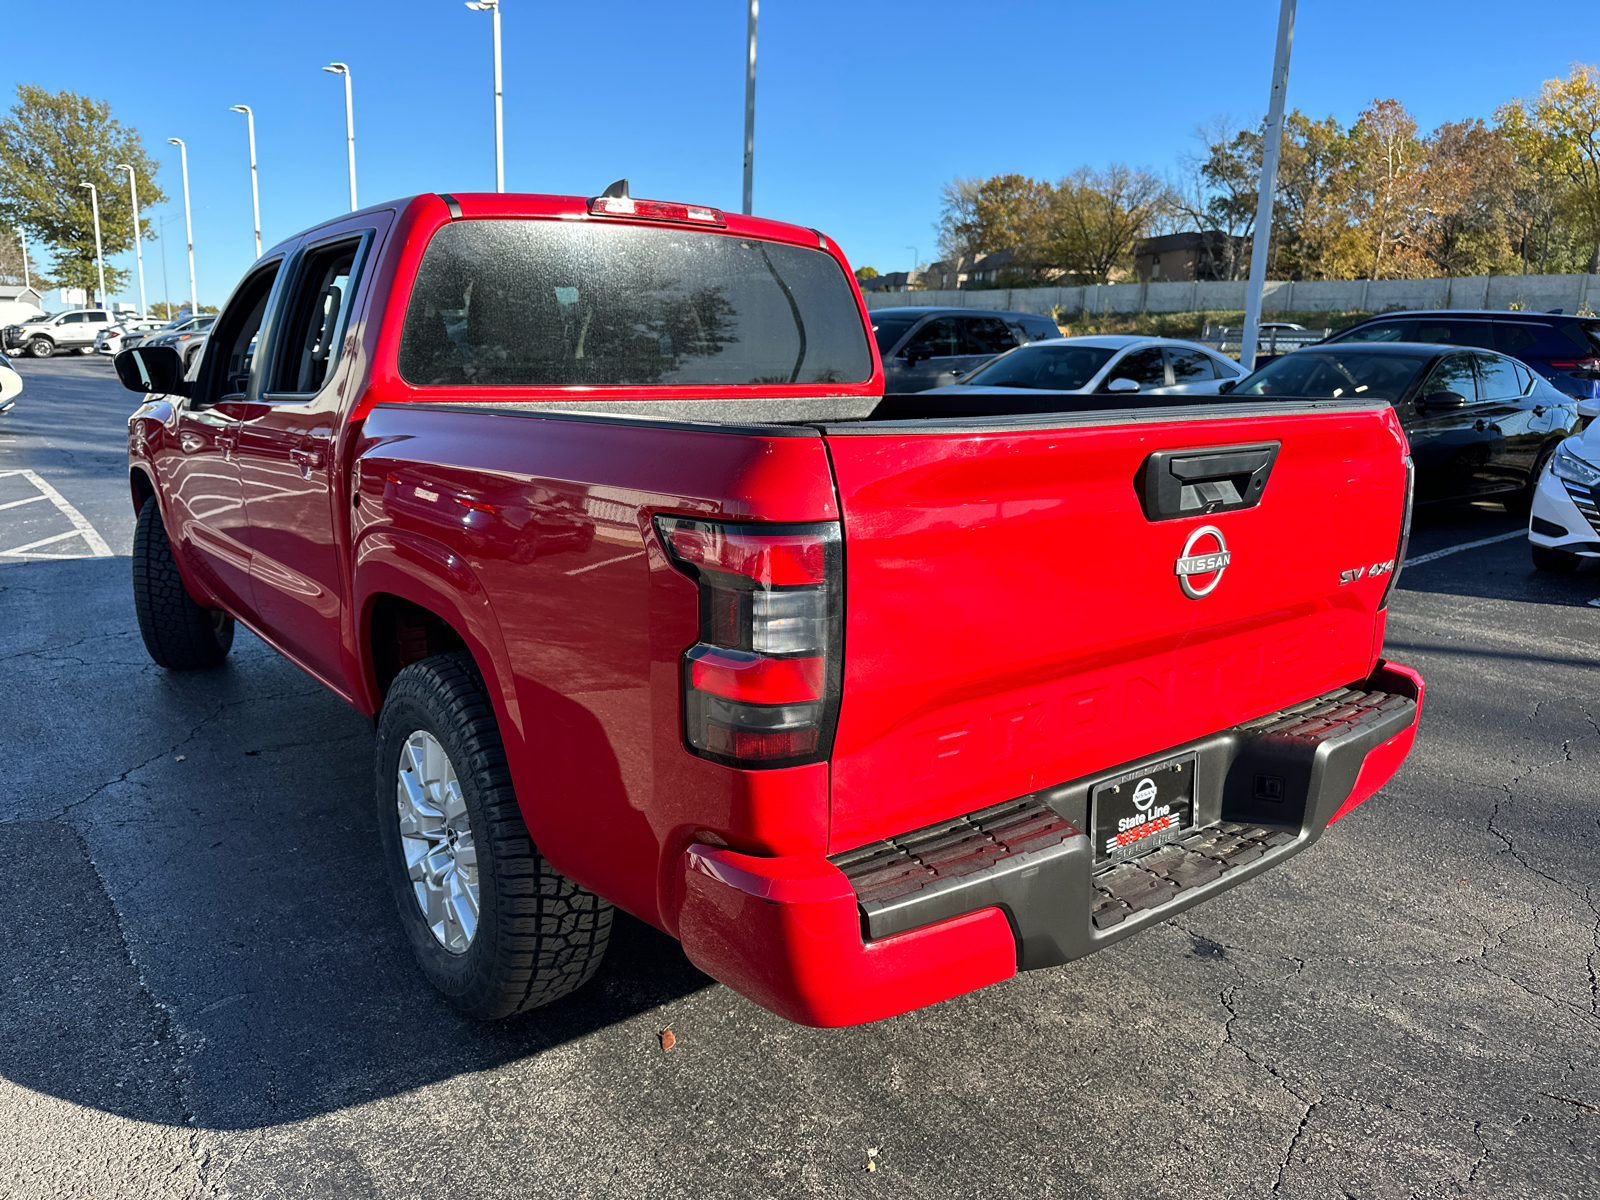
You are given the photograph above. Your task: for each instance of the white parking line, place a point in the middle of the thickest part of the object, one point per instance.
(1449, 550)
(606, 563)
(80, 523)
(28, 500)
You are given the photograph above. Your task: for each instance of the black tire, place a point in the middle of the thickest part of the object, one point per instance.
(41, 348)
(179, 634)
(1548, 558)
(1520, 504)
(539, 936)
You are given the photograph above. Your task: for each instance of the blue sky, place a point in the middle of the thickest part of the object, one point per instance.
(864, 110)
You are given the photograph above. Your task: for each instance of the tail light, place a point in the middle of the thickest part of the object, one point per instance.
(1405, 534)
(1578, 364)
(761, 686)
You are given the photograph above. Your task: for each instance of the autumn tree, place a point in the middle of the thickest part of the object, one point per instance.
(1467, 178)
(1095, 218)
(52, 142)
(1561, 126)
(11, 270)
(1221, 189)
(981, 216)
(1385, 187)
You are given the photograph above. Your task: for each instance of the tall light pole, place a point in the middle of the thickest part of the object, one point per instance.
(23, 239)
(166, 284)
(99, 258)
(1271, 143)
(349, 125)
(255, 194)
(188, 226)
(750, 108)
(916, 261)
(493, 6)
(138, 244)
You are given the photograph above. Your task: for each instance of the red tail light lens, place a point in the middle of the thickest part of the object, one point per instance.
(1580, 364)
(761, 686)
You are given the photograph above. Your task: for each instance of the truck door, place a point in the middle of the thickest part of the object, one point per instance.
(204, 499)
(286, 457)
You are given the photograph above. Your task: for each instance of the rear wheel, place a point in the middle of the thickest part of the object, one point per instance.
(41, 347)
(179, 634)
(1548, 558)
(492, 924)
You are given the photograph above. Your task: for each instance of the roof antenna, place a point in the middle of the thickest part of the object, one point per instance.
(617, 191)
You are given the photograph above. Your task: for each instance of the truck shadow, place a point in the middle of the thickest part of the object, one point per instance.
(206, 936)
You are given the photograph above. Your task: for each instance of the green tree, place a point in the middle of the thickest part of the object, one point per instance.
(1563, 121)
(52, 142)
(11, 270)
(1385, 187)
(865, 273)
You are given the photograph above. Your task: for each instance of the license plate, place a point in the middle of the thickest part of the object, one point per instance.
(1143, 809)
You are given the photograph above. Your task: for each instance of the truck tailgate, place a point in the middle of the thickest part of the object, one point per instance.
(1015, 619)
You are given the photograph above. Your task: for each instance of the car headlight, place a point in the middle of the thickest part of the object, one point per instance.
(1573, 469)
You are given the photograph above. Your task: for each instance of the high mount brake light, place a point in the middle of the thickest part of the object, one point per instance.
(655, 210)
(761, 686)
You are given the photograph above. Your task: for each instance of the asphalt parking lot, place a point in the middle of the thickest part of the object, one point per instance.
(204, 991)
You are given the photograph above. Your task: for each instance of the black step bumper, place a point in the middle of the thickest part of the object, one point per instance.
(1263, 791)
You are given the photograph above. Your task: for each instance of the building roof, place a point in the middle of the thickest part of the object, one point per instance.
(26, 295)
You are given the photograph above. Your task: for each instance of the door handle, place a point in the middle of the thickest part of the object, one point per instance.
(306, 460)
(229, 441)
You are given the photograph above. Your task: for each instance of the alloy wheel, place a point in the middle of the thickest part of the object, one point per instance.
(436, 838)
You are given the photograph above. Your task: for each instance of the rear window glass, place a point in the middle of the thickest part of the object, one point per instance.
(1049, 368)
(551, 304)
(1586, 335)
(1329, 375)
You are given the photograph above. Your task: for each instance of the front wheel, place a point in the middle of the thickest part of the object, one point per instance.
(492, 924)
(41, 348)
(179, 634)
(1520, 503)
(1548, 558)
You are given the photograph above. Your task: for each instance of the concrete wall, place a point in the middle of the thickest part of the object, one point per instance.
(1536, 292)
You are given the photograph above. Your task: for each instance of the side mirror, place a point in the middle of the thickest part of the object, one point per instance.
(1589, 408)
(918, 352)
(1226, 386)
(154, 370)
(1444, 400)
(1123, 385)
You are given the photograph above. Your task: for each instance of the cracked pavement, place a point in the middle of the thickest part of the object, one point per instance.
(203, 991)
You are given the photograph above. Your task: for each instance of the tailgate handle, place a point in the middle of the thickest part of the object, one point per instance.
(1204, 480)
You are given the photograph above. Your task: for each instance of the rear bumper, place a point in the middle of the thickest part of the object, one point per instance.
(933, 913)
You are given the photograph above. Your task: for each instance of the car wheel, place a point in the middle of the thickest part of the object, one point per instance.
(41, 348)
(492, 924)
(1520, 504)
(179, 634)
(1548, 558)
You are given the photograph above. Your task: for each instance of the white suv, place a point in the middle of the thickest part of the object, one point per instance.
(40, 337)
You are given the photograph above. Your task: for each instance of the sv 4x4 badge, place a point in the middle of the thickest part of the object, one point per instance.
(1373, 572)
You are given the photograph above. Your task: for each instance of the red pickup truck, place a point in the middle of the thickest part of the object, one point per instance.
(595, 506)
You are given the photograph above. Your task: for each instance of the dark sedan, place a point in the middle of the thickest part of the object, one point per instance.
(926, 348)
(1481, 424)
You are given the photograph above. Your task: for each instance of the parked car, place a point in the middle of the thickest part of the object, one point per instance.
(1564, 525)
(42, 336)
(1564, 350)
(187, 337)
(1088, 672)
(924, 348)
(1050, 372)
(1481, 424)
(10, 385)
(116, 338)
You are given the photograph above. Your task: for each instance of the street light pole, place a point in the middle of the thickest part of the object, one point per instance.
(99, 258)
(138, 245)
(750, 109)
(166, 284)
(1271, 143)
(493, 7)
(23, 238)
(255, 194)
(916, 261)
(188, 226)
(349, 125)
